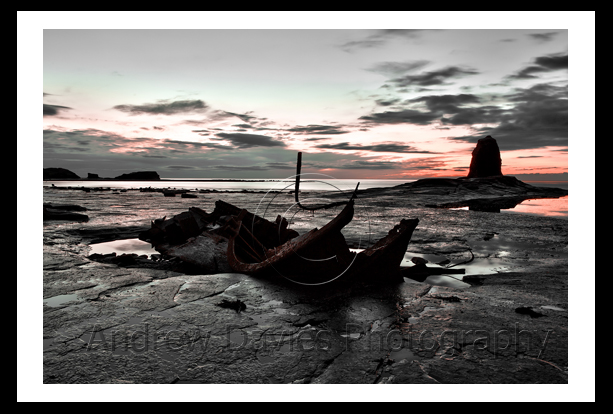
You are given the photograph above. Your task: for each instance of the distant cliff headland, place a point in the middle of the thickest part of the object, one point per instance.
(64, 174)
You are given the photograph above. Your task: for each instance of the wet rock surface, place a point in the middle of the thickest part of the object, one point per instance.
(149, 321)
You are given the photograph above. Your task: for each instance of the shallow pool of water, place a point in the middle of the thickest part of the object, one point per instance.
(402, 353)
(126, 246)
(546, 207)
(549, 207)
(59, 300)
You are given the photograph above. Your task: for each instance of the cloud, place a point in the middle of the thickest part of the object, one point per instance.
(281, 165)
(532, 117)
(354, 165)
(380, 37)
(180, 167)
(432, 78)
(102, 142)
(315, 139)
(543, 37)
(542, 64)
(454, 107)
(318, 129)
(538, 119)
(405, 116)
(447, 103)
(397, 68)
(553, 62)
(368, 165)
(244, 117)
(381, 147)
(387, 102)
(164, 107)
(239, 168)
(241, 140)
(220, 115)
(108, 154)
(53, 110)
(186, 146)
(539, 92)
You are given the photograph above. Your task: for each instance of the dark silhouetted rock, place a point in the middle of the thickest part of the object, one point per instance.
(419, 260)
(526, 310)
(91, 176)
(58, 173)
(486, 161)
(63, 212)
(64, 207)
(237, 305)
(139, 175)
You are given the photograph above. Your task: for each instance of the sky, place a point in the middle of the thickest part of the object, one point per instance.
(358, 103)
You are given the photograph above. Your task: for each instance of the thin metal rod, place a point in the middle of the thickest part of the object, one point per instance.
(298, 168)
(297, 190)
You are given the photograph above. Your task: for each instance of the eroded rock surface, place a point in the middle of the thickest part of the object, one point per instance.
(112, 323)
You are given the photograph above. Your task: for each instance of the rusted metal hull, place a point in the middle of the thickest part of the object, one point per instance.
(314, 257)
(382, 260)
(256, 246)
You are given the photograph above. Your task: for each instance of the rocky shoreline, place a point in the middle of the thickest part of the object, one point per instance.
(138, 320)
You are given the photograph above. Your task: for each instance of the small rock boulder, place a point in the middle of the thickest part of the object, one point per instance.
(419, 260)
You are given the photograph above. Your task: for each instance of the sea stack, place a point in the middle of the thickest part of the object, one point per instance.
(486, 161)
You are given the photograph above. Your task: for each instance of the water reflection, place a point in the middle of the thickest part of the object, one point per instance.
(478, 266)
(59, 300)
(126, 246)
(549, 207)
(545, 207)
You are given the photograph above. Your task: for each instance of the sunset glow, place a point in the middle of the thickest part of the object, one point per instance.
(402, 104)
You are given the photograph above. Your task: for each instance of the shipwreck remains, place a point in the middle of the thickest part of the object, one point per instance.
(231, 239)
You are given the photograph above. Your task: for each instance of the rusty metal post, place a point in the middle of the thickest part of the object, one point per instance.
(298, 167)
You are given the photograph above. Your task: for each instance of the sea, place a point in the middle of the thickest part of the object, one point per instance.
(541, 207)
(233, 184)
